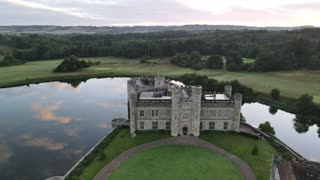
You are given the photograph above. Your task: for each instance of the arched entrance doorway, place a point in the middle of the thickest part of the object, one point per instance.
(185, 131)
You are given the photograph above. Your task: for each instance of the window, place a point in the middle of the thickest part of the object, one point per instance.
(154, 125)
(226, 114)
(141, 113)
(141, 125)
(201, 126)
(212, 125)
(213, 113)
(185, 116)
(154, 113)
(225, 125)
(168, 125)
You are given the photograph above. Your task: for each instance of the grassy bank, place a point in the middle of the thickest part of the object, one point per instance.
(177, 162)
(119, 144)
(237, 144)
(242, 146)
(292, 84)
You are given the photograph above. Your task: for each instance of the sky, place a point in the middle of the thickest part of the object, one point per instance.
(160, 12)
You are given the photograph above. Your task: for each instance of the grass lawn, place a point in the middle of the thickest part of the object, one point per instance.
(242, 146)
(122, 142)
(248, 60)
(291, 83)
(176, 162)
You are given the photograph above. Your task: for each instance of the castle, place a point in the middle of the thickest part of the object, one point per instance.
(157, 103)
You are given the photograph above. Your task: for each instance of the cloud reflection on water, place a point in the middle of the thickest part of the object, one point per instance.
(46, 112)
(5, 153)
(42, 142)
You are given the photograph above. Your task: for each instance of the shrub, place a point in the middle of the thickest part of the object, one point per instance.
(71, 64)
(102, 156)
(255, 150)
(275, 94)
(267, 128)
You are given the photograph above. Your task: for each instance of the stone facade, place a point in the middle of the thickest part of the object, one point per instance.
(157, 103)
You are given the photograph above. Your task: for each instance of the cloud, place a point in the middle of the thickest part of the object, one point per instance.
(5, 153)
(42, 142)
(64, 86)
(46, 96)
(71, 132)
(104, 125)
(46, 112)
(164, 12)
(103, 104)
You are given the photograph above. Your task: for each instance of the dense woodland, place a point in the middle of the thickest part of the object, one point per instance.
(273, 50)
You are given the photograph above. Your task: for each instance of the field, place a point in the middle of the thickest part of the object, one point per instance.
(176, 162)
(242, 146)
(291, 83)
(122, 142)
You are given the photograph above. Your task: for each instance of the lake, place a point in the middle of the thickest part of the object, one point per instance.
(46, 128)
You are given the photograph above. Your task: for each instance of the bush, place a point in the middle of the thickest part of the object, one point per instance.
(275, 94)
(102, 157)
(255, 150)
(267, 128)
(9, 60)
(71, 64)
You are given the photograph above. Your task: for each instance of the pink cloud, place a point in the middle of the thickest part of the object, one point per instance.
(46, 113)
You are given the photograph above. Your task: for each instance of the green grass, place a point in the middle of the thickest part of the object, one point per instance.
(291, 83)
(122, 142)
(242, 146)
(176, 162)
(248, 60)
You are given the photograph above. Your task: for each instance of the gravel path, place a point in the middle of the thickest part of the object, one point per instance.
(113, 165)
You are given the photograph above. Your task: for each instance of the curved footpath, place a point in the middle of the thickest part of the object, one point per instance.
(244, 169)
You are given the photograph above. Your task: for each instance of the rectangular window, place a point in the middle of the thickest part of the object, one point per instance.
(225, 125)
(141, 113)
(168, 125)
(154, 113)
(141, 125)
(201, 126)
(185, 116)
(226, 114)
(213, 113)
(212, 125)
(154, 125)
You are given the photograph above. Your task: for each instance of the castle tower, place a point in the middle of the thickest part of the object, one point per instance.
(237, 111)
(228, 90)
(196, 109)
(159, 82)
(132, 99)
(175, 111)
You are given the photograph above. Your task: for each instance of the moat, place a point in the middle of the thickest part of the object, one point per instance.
(53, 124)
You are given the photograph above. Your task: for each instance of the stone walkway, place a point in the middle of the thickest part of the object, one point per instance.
(244, 169)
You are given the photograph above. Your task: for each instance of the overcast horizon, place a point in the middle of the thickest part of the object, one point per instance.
(281, 13)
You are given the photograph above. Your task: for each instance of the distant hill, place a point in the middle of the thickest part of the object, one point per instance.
(129, 29)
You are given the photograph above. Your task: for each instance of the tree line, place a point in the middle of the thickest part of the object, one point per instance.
(273, 50)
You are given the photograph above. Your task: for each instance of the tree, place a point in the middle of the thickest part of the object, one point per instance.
(273, 110)
(267, 128)
(314, 62)
(215, 62)
(71, 64)
(266, 61)
(233, 57)
(195, 58)
(305, 104)
(9, 60)
(275, 94)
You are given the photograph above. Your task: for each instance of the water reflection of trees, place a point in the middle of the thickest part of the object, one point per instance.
(273, 110)
(302, 123)
(74, 82)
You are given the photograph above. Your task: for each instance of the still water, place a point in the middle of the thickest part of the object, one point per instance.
(46, 128)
